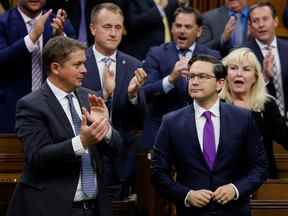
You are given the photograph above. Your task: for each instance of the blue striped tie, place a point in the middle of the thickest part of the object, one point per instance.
(36, 61)
(87, 175)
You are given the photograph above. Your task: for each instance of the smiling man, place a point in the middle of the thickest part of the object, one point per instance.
(166, 88)
(268, 48)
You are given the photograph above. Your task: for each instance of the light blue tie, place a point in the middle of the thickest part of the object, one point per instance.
(238, 33)
(87, 175)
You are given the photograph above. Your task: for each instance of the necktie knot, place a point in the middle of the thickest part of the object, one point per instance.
(107, 61)
(183, 52)
(207, 115)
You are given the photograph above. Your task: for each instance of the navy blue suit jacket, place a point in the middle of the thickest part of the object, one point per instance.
(126, 117)
(159, 63)
(52, 169)
(15, 64)
(282, 50)
(240, 160)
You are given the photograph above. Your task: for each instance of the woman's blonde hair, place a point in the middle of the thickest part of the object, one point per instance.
(258, 94)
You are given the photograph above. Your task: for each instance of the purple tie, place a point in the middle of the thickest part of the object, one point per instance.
(209, 147)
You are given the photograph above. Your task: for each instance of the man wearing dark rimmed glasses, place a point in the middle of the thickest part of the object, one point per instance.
(219, 164)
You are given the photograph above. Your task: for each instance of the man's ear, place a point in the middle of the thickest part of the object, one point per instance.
(220, 84)
(55, 68)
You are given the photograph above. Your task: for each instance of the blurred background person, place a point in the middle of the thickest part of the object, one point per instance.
(4, 5)
(245, 87)
(24, 30)
(268, 47)
(78, 12)
(226, 27)
(147, 24)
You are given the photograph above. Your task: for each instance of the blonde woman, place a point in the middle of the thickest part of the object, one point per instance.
(245, 87)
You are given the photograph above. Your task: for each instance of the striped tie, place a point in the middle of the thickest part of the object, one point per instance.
(277, 82)
(88, 179)
(36, 62)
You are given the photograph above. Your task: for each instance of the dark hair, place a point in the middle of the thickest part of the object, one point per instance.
(108, 6)
(189, 10)
(263, 3)
(219, 70)
(58, 50)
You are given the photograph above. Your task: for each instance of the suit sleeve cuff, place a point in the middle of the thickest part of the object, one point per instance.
(77, 146)
(236, 192)
(166, 85)
(186, 202)
(108, 135)
(29, 44)
(133, 100)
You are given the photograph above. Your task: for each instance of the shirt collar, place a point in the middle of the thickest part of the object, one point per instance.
(99, 56)
(190, 49)
(59, 93)
(26, 18)
(244, 12)
(215, 109)
(263, 46)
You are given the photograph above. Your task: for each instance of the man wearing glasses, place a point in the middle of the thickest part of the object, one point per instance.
(206, 148)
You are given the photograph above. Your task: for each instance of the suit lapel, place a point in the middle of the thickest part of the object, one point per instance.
(57, 110)
(121, 68)
(223, 138)
(92, 77)
(18, 25)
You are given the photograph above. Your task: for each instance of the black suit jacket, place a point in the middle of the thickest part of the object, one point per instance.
(282, 50)
(144, 25)
(273, 128)
(52, 169)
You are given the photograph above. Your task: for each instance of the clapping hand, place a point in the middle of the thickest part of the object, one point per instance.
(136, 82)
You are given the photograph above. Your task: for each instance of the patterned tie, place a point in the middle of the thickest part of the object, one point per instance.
(88, 179)
(107, 63)
(209, 147)
(277, 82)
(82, 34)
(36, 62)
(238, 33)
